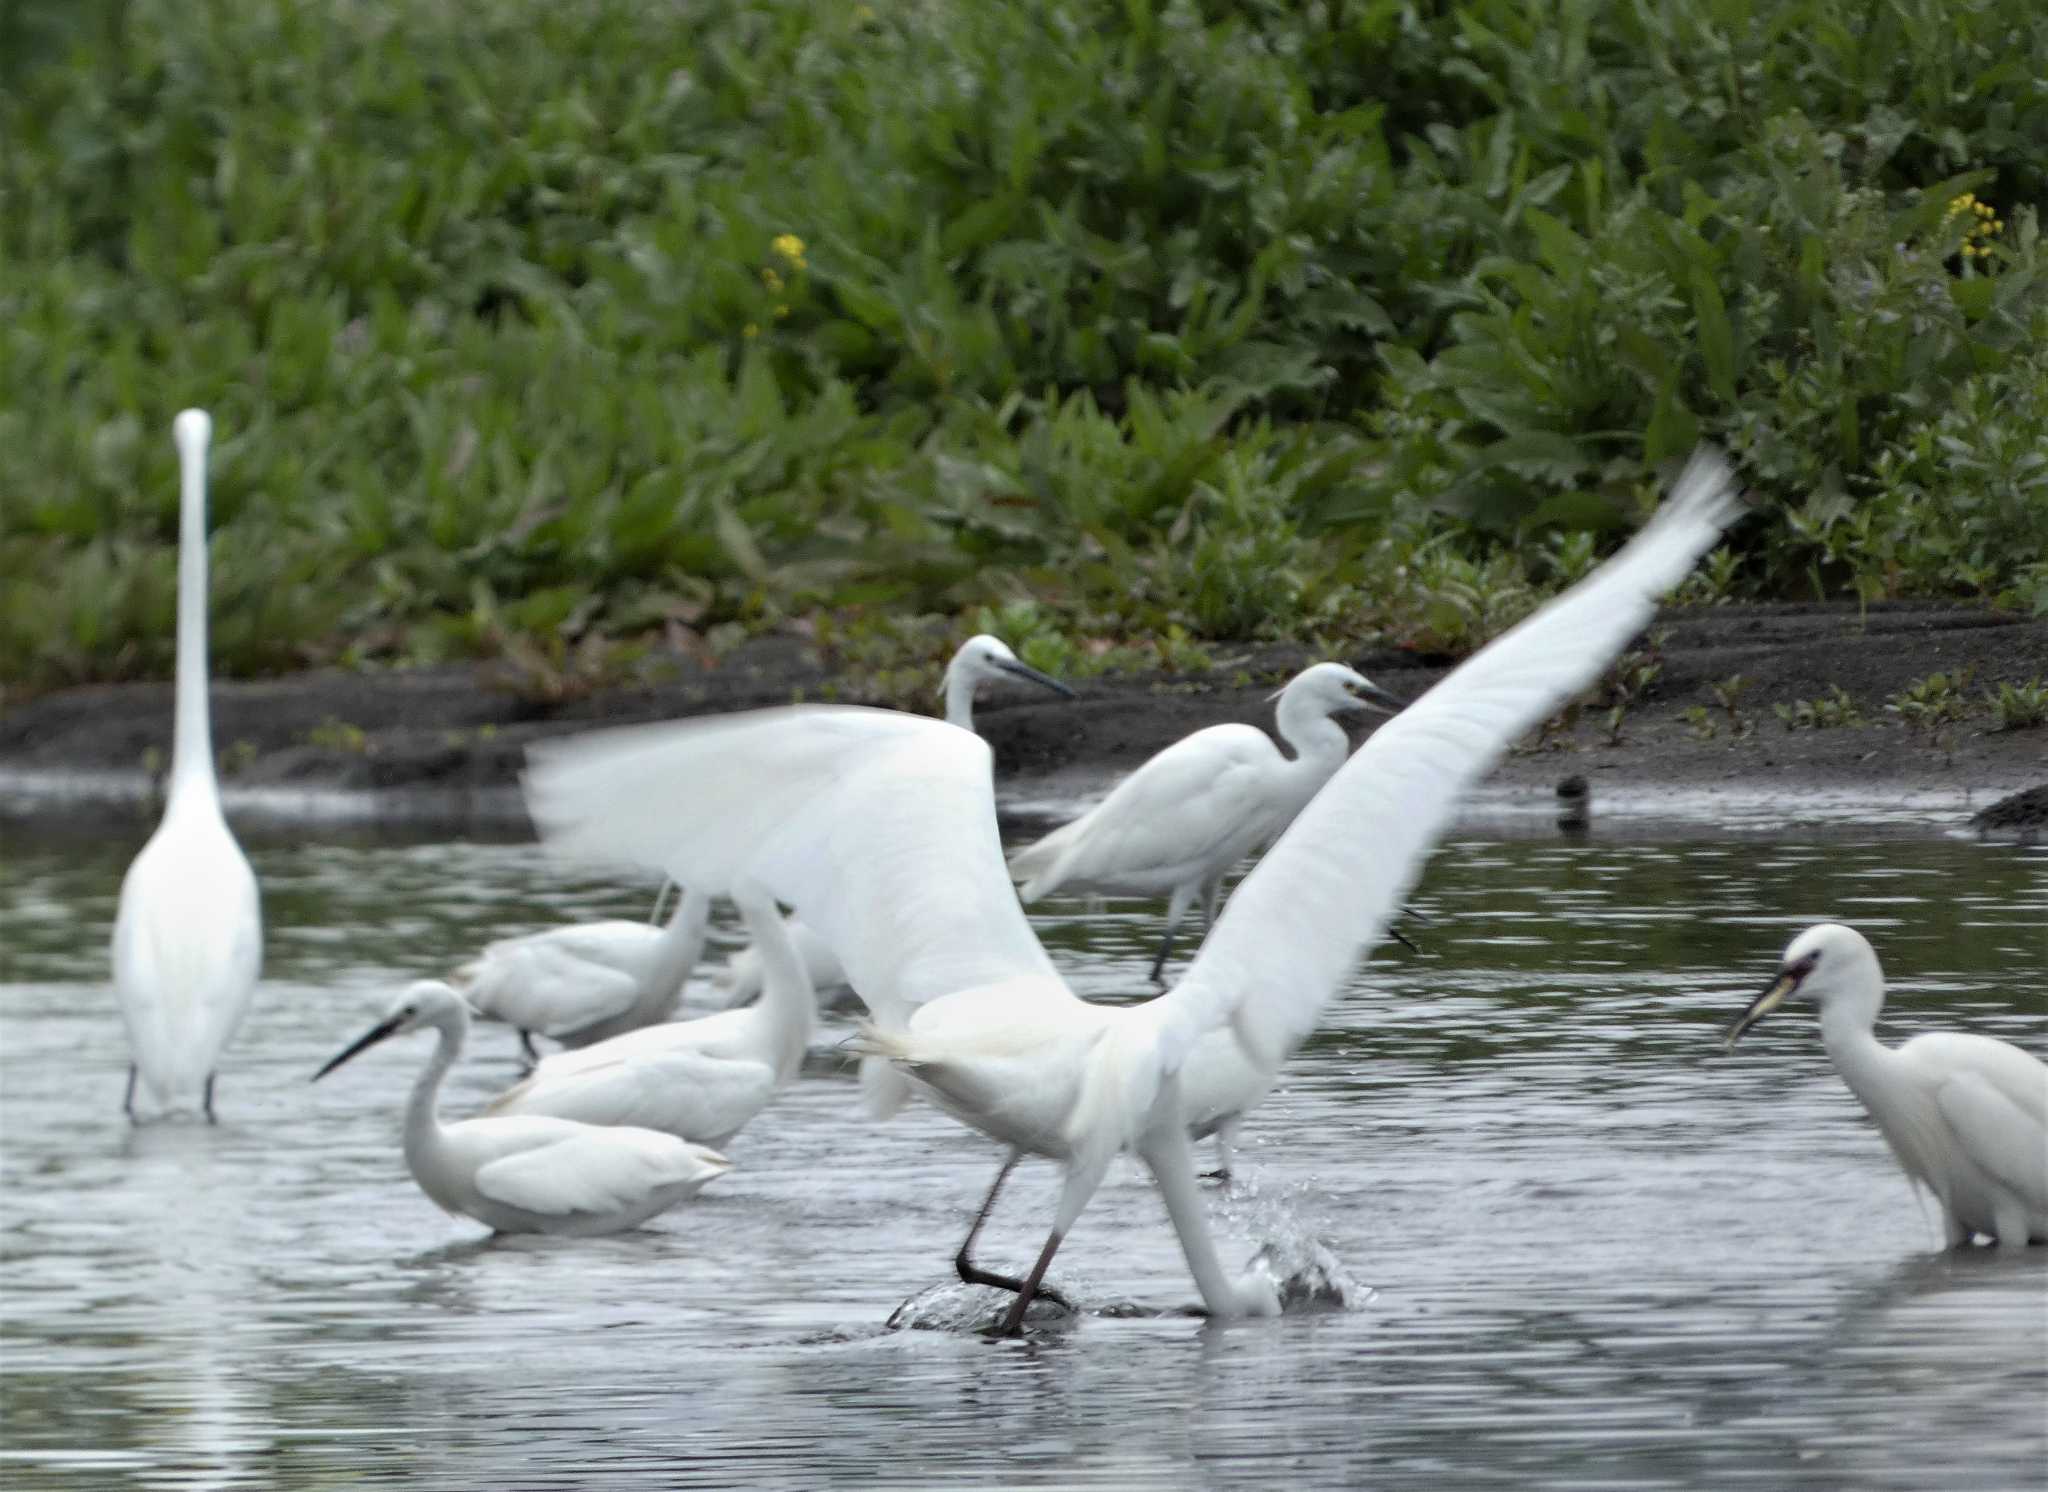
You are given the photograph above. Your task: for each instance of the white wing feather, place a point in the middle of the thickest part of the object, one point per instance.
(1297, 925)
(599, 1171)
(680, 1091)
(551, 983)
(878, 827)
(1995, 1099)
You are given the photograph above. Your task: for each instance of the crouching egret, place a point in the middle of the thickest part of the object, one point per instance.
(698, 1079)
(880, 829)
(1177, 824)
(590, 982)
(188, 935)
(981, 659)
(1966, 1116)
(528, 1174)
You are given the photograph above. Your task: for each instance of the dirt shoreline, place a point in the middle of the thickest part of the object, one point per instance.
(445, 744)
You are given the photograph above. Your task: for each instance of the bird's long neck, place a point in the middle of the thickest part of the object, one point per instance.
(1318, 742)
(423, 1139)
(1848, 1032)
(788, 1006)
(960, 698)
(681, 943)
(192, 733)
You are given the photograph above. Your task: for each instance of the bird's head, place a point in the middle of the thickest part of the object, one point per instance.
(985, 657)
(425, 1002)
(1333, 689)
(1828, 964)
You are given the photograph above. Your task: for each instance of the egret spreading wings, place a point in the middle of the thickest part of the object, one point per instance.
(880, 830)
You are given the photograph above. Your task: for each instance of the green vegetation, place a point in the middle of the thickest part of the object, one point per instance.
(1831, 711)
(2018, 706)
(527, 324)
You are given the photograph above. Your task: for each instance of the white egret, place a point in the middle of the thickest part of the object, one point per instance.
(188, 936)
(1176, 825)
(880, 830)
(1966, 1116)
(590, 982)
(528, 1174)
(982, 659)
(699, 1079)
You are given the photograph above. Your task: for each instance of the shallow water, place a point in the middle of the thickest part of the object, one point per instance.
(1583, 1248)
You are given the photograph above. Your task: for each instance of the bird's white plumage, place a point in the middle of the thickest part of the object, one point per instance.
(698, 1079)
(982, 659)
(1964, 1115)
(529, 1173)
(588, 982)
(1195, 809)
(880, 830)
(1298, 923)
(188, 931)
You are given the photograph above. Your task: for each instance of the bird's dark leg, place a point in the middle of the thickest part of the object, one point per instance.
(1176, 908)
(1013, 1324)
(972, 1273)
(128, 1102)
(207, 1103)
(526, 1042)
(1402, 938)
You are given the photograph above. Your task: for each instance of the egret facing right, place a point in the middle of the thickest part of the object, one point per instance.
(1966, 1116)
(188, 936)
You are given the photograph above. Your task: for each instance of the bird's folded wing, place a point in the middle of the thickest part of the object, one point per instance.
(1179, 809)
(544, 986)
(1322, 896)
(602, 1170)
(677, 1092)
(1997, 1133)
(878, 827)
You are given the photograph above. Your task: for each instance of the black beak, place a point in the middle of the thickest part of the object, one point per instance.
(363, 1043)
(1026, 671)
(1786, 982)
(1372, 697)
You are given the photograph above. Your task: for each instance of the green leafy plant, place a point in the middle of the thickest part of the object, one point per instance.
(1931, 703)
(1832, 710)
(2018, 706)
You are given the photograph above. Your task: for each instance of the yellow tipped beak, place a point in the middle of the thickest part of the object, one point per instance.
(1762, 1006)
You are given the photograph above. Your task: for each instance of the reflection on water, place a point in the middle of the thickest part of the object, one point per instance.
(1580, 1246)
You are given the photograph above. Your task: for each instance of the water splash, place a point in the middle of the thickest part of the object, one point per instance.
(1301, 1262)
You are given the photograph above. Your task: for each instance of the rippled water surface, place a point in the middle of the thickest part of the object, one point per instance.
(1583, 1248)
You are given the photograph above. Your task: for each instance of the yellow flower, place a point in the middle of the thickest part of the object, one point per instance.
(790, 247)
(780, 312)
(771, 279)
(750, 330)
(862, 14)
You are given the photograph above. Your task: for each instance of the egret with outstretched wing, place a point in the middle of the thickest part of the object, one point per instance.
(880, 830)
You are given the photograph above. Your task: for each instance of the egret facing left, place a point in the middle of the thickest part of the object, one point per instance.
(188, 937)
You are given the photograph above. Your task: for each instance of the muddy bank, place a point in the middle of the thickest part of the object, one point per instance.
(446, 743)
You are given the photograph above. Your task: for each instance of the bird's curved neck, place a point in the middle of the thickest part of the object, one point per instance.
(788, 1006)
(422, 1117)
(682, 942)
(1848, 1032)
(1314, 737)
(960, 698)
(192, 731)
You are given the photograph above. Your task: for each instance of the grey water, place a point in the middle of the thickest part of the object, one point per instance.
(1578, 1245)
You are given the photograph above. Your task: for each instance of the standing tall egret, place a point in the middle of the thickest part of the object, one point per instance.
(1966, 1116)
(527, 1174)
(188, 937)
(589, 982)
(981, 659)
(880, 829)
(1180, 822)
(699, 1079)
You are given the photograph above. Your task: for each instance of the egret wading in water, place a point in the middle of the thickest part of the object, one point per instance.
(528, 1174)
(188, 937)
(587, 983)
(699, 1079)
(880, 830)
(1965, 1116)
(982, 659)
(1176, 825)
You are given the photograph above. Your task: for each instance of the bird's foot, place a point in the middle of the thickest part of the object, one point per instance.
(1221, 1177)
(972, 1273)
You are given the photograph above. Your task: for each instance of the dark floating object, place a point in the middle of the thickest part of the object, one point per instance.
(1574, 804)
(954, 1306)
(2024, 814)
